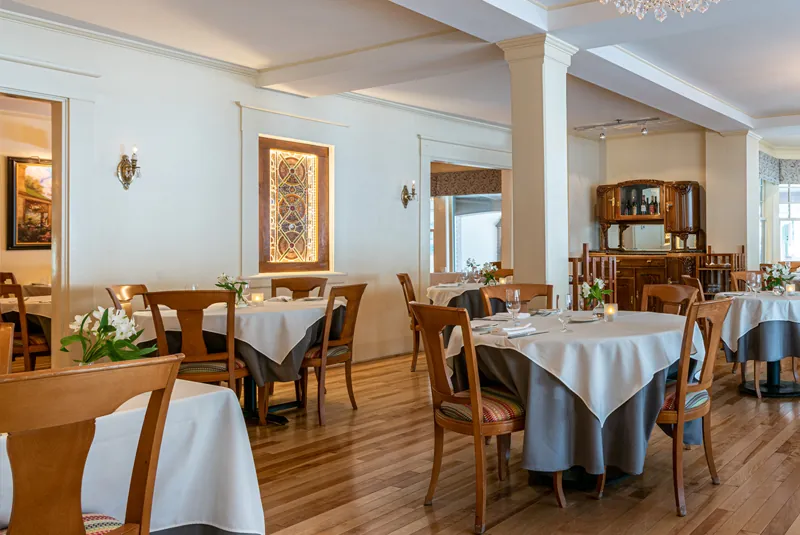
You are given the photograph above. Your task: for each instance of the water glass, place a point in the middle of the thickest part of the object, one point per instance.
(513, 304)
(463, 277)
(561, 313)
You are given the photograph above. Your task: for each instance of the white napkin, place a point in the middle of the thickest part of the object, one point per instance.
(449, 285)
(507, 316)
(280, 299)
(514, 331)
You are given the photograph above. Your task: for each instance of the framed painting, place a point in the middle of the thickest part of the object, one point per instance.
(29, 217)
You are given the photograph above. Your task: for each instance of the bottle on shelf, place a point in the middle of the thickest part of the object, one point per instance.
(652, 206)
(635, 206)
(656, 207)
(643, 208)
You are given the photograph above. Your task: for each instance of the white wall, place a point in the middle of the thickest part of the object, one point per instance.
(183, 221)
(22, 135)
(668, 157)
(586, 172)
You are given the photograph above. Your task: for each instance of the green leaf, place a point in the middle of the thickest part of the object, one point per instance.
(104, 319)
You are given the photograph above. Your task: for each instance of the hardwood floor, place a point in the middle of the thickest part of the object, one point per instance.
(367, 471)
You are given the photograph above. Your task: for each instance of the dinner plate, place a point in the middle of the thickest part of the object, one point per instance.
(584, 319)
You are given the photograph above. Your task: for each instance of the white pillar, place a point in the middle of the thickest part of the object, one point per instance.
(507, 247)
(538, 67)
(732, 193)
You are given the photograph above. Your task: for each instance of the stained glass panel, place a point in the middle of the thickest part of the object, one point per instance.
(293, 206)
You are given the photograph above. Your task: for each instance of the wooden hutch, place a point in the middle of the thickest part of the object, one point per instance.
(678, 206)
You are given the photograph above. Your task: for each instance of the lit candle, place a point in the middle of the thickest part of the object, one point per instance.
(257, 298)
(610, 311)
(790, 289)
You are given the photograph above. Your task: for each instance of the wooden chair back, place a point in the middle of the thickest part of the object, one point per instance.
(408, 292)
(668, 298)
(587, 268)
(190, 307)
(739, 279)
(15, 290)
(504, 273)
(6, 277)
(48, 442)
(527, 292)
(432, 321)
(695, 283)
(712, 313)
(122, 296)
(352, 294)
(300, 286)
(6, 347)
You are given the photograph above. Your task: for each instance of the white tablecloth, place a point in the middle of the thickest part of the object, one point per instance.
(38, 306)
(748, 311)
(206, 473)
(441, 296)
(272, 329)
(604, 364)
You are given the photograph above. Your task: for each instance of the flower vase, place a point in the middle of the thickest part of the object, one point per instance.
(599, 311)
(778, 290)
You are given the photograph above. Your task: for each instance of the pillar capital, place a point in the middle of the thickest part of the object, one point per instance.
(538, 46)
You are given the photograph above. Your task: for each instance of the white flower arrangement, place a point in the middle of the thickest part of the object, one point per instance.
(778, 275)
(226, 282)
(596, 291)
(111, 335)
(487, 272)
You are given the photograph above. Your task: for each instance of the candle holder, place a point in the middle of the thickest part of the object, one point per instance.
(791, 289)
(610, 312)
(256, 299)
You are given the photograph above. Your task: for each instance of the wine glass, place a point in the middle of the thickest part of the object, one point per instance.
(513, 304)
(463, 277)
(561, 313)
(753, 281)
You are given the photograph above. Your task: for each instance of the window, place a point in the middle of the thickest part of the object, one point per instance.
(293, 206)
(762, 225)
(476, 229)
(789, 215)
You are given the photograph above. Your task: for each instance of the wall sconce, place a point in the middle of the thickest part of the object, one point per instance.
(405, 196)
(128, 168)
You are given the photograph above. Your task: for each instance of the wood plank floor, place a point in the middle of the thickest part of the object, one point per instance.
(367, 471)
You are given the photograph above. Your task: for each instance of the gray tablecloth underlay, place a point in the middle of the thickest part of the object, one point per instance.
(560, 431)
(473, 302)
(771, 341)
(36, 324)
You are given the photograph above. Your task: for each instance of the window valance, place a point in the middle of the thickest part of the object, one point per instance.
(476, 182)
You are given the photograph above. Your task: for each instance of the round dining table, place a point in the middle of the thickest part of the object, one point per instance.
(592, 394)
(765, 327)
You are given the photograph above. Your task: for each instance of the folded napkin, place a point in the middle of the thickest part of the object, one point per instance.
(280, 299)
(514, 331)
(507, 316)
(312, 299)
(449, 285)
(732, 294)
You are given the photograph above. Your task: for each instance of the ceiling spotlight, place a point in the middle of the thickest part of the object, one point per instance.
(603, 136)
(644, 130)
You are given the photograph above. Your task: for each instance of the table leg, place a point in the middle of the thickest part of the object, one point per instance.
(250, 408)
(773, 387)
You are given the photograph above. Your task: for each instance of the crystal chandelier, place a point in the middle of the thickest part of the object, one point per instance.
(641, 7)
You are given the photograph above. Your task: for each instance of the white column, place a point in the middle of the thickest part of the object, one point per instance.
(732, 193)
(538, 67)
(507, 191)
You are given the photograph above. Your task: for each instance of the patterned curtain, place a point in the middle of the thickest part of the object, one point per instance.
(466, 183)
(769, 168)
(790, 171)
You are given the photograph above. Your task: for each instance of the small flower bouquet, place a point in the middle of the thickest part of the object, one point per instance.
(112, 335)
(487, 272)
(778, 275)
(593, 295)
(226, 282)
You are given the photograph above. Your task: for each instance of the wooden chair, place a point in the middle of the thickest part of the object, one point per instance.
(504, 273)
(527, 292)
(122, 296)
(27, 344)
(692, 401)
(300, 286)
(6, 347)
(6, 277)
(48, 446)
(739, 279)
(479, 412)
(668, 298)
(410, 297)
(198, 364)
(332, 351)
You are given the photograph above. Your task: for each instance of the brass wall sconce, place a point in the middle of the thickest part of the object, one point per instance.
(128, 168)
(405, 196)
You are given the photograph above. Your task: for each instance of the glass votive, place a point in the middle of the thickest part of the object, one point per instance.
(790, 289)
(610, 312)
(257, 298)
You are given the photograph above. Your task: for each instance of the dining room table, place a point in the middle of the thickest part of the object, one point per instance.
(591, 394)
(272, 338)
(206, 478)
(762, 326)
(38, 310)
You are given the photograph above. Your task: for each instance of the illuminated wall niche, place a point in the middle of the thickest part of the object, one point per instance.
(293, 206)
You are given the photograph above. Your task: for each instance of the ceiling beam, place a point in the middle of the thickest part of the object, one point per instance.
(490, 20)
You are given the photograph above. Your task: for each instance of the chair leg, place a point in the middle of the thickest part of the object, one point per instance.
(794, 368)
(733, 369)
(757, 377)
(348, 375)
(27, 361)
(677, 469)
(742, 370)
(712, 469)
(601, 485)
(321, 394)
(33, 362)
(263, 404)
(416, 351)
(438, 451)
(298, 394)
(304, 387)
(480, 485)
(238, 387)
(558, 488)
(271, 388)
(503, 455)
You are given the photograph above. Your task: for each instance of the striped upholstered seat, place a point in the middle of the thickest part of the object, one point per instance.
(210, 367)
(499, 405)
(94, 524)
(33, 339)
(315, 352)
(693, 400)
